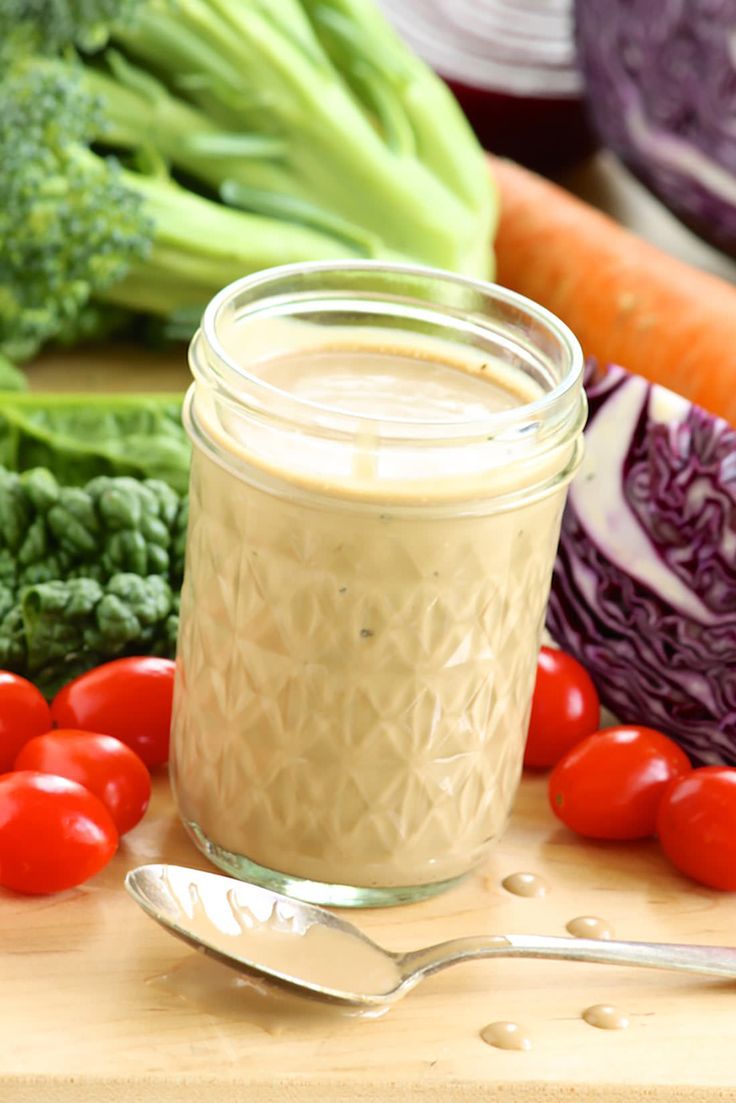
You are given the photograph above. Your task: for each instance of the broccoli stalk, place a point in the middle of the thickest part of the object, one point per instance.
(198, 246)
(372, 135)
(140, 113)
(75, 225)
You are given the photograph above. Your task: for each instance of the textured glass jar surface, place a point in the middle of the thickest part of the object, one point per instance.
(354, 686)
(357, 653)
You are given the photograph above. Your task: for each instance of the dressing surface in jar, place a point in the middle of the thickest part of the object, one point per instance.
(380, 463)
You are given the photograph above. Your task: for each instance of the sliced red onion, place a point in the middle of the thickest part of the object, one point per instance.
(661, 86)
(511, 64)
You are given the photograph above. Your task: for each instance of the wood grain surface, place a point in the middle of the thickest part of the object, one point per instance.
(100, 1005)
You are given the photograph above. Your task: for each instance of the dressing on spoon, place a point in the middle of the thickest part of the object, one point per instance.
(265, 934)
(319, 955)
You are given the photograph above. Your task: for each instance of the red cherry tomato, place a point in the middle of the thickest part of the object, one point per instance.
(565, 708)
(54, 833)
(23, 714)
(128, 698)
(101, 763)
(609, 786)
(696, 825)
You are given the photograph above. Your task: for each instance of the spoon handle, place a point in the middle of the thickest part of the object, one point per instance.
(716, 961)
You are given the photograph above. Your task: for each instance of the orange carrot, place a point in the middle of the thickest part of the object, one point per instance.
(627, 301)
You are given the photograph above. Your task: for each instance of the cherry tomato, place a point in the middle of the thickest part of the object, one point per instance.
(696, 825)
(101, 763)
(23, 714)
(127, 698)
(54, 833)
(609, 786)
(565, 708)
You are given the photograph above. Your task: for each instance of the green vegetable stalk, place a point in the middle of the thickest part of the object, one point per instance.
(368, 132)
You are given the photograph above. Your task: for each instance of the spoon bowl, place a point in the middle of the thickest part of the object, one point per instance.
(312, 952)
(267, 935)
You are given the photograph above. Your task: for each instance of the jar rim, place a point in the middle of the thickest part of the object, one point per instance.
(228, 369)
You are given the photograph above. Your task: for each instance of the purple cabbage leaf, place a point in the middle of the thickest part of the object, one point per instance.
(644, 587)
(660, 83)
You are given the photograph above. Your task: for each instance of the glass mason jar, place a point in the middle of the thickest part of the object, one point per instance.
(380, 462)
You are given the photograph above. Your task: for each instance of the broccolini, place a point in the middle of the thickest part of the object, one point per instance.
(311, 116)
(74, 224)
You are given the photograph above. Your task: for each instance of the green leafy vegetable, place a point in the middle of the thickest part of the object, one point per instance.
(86, 573)
(81, 436)
(62, 628)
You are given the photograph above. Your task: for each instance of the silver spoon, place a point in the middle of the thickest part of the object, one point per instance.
(309, 950)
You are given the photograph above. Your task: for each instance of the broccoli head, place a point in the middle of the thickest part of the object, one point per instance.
(46, 26)
(69, 225)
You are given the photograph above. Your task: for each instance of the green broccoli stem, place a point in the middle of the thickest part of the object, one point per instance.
(141, 113)
(244, 69)
(198, 246)
(348, 27)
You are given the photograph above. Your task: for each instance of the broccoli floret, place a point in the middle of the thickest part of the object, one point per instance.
(49, 25)
(69, 225)
(96, 323)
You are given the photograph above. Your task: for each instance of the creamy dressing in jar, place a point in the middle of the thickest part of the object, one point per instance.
(365, 589)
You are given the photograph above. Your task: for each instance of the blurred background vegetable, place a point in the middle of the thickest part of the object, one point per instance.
(312, 117)
(644, 588)
(511, 64)
(661, 86)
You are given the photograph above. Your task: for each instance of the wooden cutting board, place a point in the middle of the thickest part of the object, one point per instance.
(100, 1005)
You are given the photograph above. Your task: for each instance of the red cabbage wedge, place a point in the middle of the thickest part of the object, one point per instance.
(644, 589)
